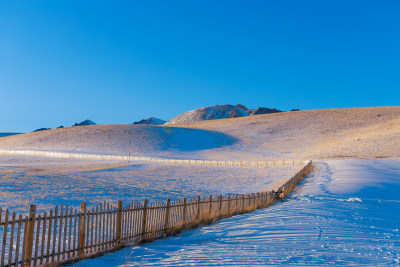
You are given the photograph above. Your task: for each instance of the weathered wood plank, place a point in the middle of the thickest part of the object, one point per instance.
(92, 230)
(18, 239)
(75, 235)
(43, 238)
(53, 252)
(37, 240)
(82, 234)
(69, 233)
(23, 256)
(11, 246)
(144, 221)
(95, 247)
(49, 236)
(60, 233)
(64, 243)
(4, 242)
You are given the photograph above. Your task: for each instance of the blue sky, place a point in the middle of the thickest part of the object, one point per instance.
(121, 61)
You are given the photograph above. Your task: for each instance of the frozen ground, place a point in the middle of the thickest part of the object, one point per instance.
(46, 182)
(345, 213)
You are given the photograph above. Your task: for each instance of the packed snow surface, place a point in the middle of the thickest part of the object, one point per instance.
(345, 213)
(210, 113)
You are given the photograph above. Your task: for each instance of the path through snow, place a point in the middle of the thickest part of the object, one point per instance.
(345, 213)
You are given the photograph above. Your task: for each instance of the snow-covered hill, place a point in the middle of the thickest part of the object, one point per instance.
(313, 134)
(210, 113)
(116, 139)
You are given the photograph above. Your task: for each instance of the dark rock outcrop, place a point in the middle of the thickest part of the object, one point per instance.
(41, 129)
(258, 111)
(85, 122)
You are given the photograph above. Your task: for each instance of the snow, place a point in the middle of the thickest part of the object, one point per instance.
(141, 140)
(210, 113)
(345, 213)
(300, 135)
(47, 182)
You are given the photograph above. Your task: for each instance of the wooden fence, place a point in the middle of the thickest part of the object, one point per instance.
(65, 234)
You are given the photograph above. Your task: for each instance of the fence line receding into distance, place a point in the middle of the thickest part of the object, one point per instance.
(65, 234)
(153, 159)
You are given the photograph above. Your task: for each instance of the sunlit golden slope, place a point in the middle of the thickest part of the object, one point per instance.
(313, 134)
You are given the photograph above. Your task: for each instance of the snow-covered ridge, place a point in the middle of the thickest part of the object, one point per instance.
(210, 113)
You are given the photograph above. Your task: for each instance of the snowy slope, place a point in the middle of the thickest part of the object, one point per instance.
(120, 140)
(210, 113)
(345, 214)
(312, 134)
(302, 135)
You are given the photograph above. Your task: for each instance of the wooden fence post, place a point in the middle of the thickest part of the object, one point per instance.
(264, 198)
(210, 208)
(82, 233)
(119, 223)
(229, 204)
(146, 202)
(220, 205)
(198, 207)
(167, 216)
(29, 236)
(250, 196)
(237, 204)
(184, 211)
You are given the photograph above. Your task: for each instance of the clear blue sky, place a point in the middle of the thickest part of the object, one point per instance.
(120, 61)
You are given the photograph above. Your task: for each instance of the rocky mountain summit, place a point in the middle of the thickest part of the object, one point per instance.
(258, 111)
(210, 113)
(151, 121)
(84, 123)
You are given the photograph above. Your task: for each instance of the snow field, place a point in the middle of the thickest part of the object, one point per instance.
(50, 181)
(346, 213)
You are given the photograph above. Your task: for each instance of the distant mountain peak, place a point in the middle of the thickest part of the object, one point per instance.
(210, 113)
(85, 122)
(151, 121)
(258, 111)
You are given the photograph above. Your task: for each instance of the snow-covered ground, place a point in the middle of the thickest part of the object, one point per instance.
(346, 213)
(301, 135)
(46, 182)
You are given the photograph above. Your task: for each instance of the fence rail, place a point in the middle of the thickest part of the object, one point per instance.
(65, 234)
(152, 159)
